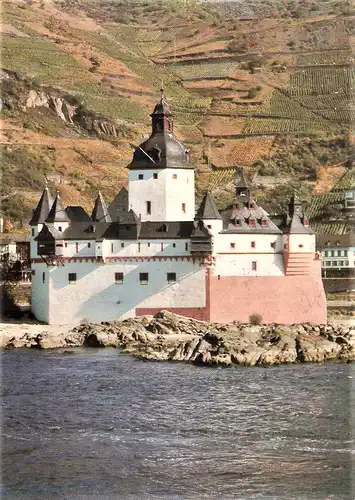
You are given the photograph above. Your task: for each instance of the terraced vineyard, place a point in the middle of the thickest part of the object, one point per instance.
(284, 126)
(204, 70)
(43, 60)
(319, 202)
(346, 182)
(221, 177)
(332, 57)
(318, 81)
(282, 105)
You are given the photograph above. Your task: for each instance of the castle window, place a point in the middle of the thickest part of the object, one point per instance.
(72, 278)
(122, 245)
(119, 278)
(174, 245)
(186, 246)
(161, 246)
(43, 277)
(149, 207)
(237, 222)
(143, 278)
(325, 253)
(140, 177)
(66, 245)
(155, 176)
(232, 245)
(345, 253)
(300, 246)
(139, 247)
(76, 247)
(89, 244)
(183, 207)
(111, 247)
(171, 277)
(209, 226)
(33, 272)
(252, 244)
(219, 277)
(33, 231)
(60, 228)
(252, 222)
(263, 223)
(148, 245)
(254, 265)
(273, 244)
(174, 176)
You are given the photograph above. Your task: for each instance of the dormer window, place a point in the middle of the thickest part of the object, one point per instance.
(305, 223)
(252, 222)
(264, 223)
(237, 222)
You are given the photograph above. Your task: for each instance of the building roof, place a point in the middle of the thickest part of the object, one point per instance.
(296, 222)
(119, 204)
(40, 213)
(336, 240)
(100, 212)
(77, 214)
(200, 231)
(57, 212)
(161, 149)
(207, 208)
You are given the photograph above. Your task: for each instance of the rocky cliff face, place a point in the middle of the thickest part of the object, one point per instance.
(21, 93)
(168, 337)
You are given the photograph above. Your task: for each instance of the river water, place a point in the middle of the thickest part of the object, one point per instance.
(96, 424)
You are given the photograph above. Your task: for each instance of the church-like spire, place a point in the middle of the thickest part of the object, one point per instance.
(207, 208)
(161, 117)
(41, 211)
(100, 211)
(241, 186)
(57, 212)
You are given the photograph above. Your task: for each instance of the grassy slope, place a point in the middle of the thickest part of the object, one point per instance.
(223, 109)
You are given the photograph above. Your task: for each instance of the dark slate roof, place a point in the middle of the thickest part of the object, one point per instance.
(161, 150)
(57, 212)
(100, 212)
(242, 182)
(49, 233)
(207, 208)
(165, 230)
(41, 212)
(119, 204)
(336, 240)
(162, 108)
(241, 212)
(77, 214)
(200, 231)
(296, 217)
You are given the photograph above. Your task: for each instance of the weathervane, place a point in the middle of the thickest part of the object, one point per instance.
(162, 91)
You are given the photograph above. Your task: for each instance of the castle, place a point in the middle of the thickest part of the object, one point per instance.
(148, 250)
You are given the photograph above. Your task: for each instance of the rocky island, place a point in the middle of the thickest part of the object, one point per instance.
(169, 337)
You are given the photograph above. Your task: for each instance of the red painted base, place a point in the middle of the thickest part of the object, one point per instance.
(278, 299)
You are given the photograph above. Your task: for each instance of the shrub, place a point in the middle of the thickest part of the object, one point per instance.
(255, 319)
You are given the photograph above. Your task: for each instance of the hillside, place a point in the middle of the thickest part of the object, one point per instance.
(253, 85)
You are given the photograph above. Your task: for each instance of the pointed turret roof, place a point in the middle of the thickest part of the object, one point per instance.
(200, 231)
(296, 218)
(207, 208)
(161, 108)
(41, 211)
(100, 211)
(241, 185)
(57, 212)
(119, 204)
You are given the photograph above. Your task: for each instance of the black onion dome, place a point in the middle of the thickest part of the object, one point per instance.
(162, 108)
(161, 151)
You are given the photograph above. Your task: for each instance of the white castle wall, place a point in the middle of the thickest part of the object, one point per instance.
(96, 297)
(166, 194)
(238, 261)
(301, 243)
(40, 292)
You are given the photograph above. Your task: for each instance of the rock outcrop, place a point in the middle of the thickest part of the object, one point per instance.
(169, 337)
(20, 92)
